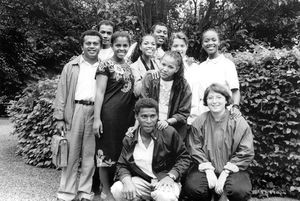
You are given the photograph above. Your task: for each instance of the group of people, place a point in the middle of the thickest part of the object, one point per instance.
(157, 124)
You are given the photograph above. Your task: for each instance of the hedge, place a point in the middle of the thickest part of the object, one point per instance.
(34, 123)
(269, 80)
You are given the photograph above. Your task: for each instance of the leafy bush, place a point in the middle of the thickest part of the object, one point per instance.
(33, 122)
(270, 88)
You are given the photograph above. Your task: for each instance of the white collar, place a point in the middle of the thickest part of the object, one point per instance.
(82, 60)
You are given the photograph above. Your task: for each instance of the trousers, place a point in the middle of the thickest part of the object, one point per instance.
(81, 149)
(237, 186)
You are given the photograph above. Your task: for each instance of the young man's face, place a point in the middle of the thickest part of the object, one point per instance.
(106, 32)
(91, 47)
(147, 118)
(161, 34)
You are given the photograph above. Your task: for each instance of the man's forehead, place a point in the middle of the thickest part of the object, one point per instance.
(147, 110)
(160, 27)
(106, 27)
(91, 38)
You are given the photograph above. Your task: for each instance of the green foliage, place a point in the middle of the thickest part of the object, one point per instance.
(270, 88)
(33, 122)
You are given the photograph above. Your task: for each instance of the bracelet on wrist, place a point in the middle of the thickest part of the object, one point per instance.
(236, 106)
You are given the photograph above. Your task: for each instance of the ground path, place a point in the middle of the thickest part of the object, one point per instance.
(21, 182)
(18, 181)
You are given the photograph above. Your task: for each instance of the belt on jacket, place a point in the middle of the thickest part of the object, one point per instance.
(84, 102)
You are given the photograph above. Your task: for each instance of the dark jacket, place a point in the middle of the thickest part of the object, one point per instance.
(180, 100)
(169, 155)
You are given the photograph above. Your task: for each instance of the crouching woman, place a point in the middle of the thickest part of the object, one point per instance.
(222, 149)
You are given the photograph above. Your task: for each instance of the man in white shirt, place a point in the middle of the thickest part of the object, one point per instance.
(74, 112)
(106, 29)
(152, 161)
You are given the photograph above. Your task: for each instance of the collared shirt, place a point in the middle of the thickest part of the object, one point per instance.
(105, 54)
(192, 73)
(86, 84)
(170, 156)
(218, 70)
(164, 98)
(143, 156)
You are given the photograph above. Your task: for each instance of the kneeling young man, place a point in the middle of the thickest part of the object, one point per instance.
(152, 161)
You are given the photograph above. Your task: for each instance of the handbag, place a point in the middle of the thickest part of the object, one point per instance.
(60, 151)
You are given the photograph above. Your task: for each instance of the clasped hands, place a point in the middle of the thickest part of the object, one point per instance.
(129, 190)
(214, 182)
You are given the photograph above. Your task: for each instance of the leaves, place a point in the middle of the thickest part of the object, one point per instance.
(271, 103)
(33, 122)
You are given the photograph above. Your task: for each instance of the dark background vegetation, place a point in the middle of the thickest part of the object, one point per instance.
(37, 37)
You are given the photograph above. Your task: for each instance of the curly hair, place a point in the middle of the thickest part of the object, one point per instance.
(145, 103)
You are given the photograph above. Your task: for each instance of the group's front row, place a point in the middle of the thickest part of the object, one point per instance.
(156, 164)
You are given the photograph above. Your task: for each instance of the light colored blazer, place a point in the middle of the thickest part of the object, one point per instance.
(139, 71)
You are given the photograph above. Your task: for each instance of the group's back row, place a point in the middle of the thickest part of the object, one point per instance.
(124, 72)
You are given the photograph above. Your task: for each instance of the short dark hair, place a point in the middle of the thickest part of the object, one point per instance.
(120, 34)
(218, 88)
(106, 22)
(213, 30)
(157, 24)
(145, 103)
(89, 33)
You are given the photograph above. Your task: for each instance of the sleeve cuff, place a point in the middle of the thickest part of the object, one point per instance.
(205, 166)
(175, 173)
(124, 176)
(231, 167)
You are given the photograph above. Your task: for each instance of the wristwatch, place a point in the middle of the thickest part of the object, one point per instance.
(172, 176)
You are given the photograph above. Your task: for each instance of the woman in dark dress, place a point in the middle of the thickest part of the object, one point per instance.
(113, 113)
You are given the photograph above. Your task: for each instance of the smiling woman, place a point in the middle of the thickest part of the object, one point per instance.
(222, 149)
(113, 112)
(217, 69)
(145, 63)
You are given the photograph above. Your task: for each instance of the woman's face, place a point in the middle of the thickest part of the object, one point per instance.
(211, 42)
(179, 45)
(148, 46)
(168, 67)
(120, 47)
(216, 102)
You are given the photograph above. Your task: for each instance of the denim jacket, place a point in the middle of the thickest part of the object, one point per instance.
(169, 155)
